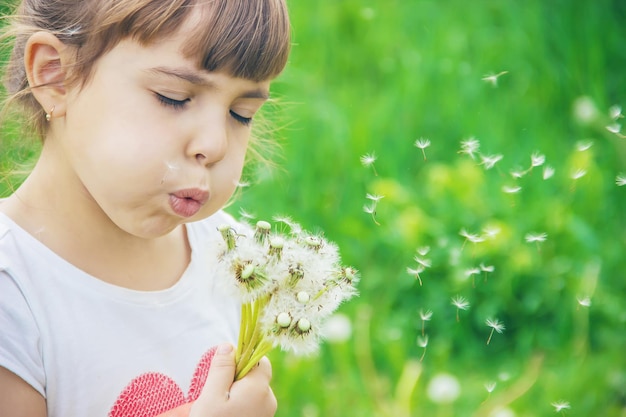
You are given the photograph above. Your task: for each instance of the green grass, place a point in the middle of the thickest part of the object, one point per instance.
(373, 77)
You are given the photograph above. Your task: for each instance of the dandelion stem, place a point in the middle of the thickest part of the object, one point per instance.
(261, 350)
(250, 337)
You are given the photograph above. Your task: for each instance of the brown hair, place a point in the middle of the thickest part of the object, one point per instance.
(246, 38)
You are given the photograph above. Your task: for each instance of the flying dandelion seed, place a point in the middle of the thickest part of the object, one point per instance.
(536, 238)
(489, 161)
(422, 144)
(583, 145)
(469, 237)
(425, 316)
(620, 180)
(615, 112)
(560, 406)
(537, 160)
(422, 341)
(423, 251)
(578, 174)
(374, 197)
(426, 263)
(368, 160)
(548, 172)
(616, 128)
(416, 273)
(584, 301)
(496, 326)
(371, 210)
(246, 214)
(460, 303)
(490, 232)
(487, 269)
(518, 173)
(493, 78)
(470, 147)
(490, 386)
(511, 189)
(470, 273)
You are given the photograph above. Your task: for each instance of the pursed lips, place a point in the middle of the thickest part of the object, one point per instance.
(188, 202)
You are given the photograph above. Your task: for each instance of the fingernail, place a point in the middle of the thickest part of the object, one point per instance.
(224, 349)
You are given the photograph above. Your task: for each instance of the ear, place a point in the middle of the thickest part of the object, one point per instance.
(44, 60)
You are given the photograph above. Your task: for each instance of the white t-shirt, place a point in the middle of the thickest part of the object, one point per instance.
(94, 349)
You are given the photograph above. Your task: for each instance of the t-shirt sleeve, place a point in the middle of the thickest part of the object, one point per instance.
(20, 347)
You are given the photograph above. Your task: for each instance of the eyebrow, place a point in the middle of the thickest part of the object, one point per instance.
(196, 78)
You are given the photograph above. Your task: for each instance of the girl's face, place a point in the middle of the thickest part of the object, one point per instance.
(153, 140)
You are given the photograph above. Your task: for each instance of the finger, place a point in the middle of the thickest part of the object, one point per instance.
(263, 370)
(221, 373)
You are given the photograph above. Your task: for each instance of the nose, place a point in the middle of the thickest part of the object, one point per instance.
(210, 143)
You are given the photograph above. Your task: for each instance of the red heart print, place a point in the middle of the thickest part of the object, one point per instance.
(153, 393)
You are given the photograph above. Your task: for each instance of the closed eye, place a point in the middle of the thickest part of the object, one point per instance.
(239, 118)
(170, 102)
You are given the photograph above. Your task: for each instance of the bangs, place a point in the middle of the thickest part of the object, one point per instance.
(247, 38)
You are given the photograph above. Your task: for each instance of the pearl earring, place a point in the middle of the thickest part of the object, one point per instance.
(49, 115)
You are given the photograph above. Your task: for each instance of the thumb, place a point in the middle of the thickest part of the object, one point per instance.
(222, 371)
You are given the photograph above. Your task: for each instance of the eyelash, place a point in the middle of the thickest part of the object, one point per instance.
(180, 104)
(170, 102)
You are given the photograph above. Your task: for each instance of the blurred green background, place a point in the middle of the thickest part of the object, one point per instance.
(372, 78)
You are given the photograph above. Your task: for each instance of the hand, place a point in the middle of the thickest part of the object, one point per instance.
(249, 397)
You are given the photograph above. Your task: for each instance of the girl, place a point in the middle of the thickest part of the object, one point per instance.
(144, 107)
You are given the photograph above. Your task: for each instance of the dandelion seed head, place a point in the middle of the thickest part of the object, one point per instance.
(537, 159)
(460, 302)
(415, 271)
(489, 161)
(426, 263)
(246, 214)
(422, 143)
(493, 78)
(423, 250)
(614, 128)
(535, 237)
(487, 268)
(472, 271)
(583, 145)
(368, 159)
(511, 189)
(548, 172)
(490, 386)
(579, 173)
(620, 180)
(474, 238)
(560, 406)
(422, 341)
(374, 197)
(491, 232)
(495, 324)
(584, 301)
(517, 173)
(615, 112)
(470, 147)
(426, 315)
